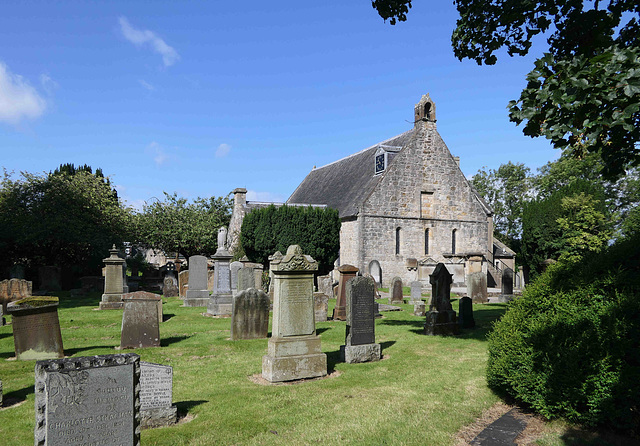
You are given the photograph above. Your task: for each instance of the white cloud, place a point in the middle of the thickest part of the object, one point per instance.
(48, 84)
(267, 197)
(147, 85)
(145, 37)
(157, 152)
(222, 150)
(18, 99)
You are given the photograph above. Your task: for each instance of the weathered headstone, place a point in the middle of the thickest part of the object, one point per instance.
(376, 271)
(465, 316)
(113, 286)
(245, 279)
(477, 287)
(146, 295)
(36, 328)
(325, 285)
(183, 283)
(321, 306)
(210, 277)
(395, 291)
(416, 292)
(197, 293)
(3, 322)
(156, 395)
(419, 309)
(360, 343)
(49, 278)
(507, 281)
(234, 267)
(347, 273)
(221, 300)
(140, 322)
(170, 281)
(14, 289)
(276, 257)
(90, 400)
(250, 315)
(294, 350)
(441, 319)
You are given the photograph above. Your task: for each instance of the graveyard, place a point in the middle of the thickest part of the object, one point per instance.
(423, 390)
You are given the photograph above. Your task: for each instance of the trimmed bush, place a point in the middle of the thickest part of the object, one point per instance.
(570, 347)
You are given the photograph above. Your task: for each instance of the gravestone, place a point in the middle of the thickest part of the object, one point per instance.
(465, 316)
(245, 279)
(347, 273)
(416, 292)
(197, 292)
(258, 271)
(441, 319)
(14, 289)
(140, 322)
(156, 395)
(419, 309)
(210, 277)
(125, 283)
(49, 278)
(276, 257)
(325, 285)
(183, 283)
(321, 306)
(221, 300)
(507, 281)
(294, 350)
(234, 267)
(477, 287)
(250, 315)
(90, 400)
(0, 393)
(395, 296)
(36, 328)
(360, 343)
(170, 281)
(376, 272)
(147, 295)
(113, 286)
(16, 271)
(3, 321)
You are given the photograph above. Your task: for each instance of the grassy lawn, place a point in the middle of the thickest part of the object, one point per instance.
(423, 392)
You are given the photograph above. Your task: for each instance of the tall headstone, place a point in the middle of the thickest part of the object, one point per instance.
(395, 291)
(221, 300)
(416, 292)
(294, 349)
(465, 318)
(36, 328)
(321, 306)
(183, 283)
(197, 293)
(170, 281)
(156, 395)
(360, 343)
(477, 287)
(507, 281)
(49, 278)
(245, 279)
(113, 286)
(140, 322)
(250, 315)
(441, 319)
(88, 400)
(347, 273)
(234, 267)
(376, 271)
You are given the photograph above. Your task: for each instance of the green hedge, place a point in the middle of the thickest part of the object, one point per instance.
(570, 347)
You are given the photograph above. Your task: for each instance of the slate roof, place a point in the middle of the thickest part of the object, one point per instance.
(346, 183)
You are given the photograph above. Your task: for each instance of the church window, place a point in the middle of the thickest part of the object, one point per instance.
(453, 241)
(426, 202)
(380, 163)
(426, 241)
(398, 230)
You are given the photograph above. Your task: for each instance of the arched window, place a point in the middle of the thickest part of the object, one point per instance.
(453, 241)
(398, 230)
(426, 241)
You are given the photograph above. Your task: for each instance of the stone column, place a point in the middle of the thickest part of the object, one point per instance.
(113, 284)
(294, 349)
(347, 272)
(221, 300)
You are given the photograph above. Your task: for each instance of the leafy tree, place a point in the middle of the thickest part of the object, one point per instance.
(584, 94)
(175, 225)
(62, 218)
(316, 230)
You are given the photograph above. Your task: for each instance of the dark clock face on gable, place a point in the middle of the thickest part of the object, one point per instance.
(379, 163)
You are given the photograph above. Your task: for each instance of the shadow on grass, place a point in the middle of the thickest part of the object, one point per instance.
(185, 406)
(166, 317)
(385, 345)
(322, 330)
(5, 335)
(414, 323)
(17, 396)
(75, 351)
(92, 299)
(172, 340)
(333, 358)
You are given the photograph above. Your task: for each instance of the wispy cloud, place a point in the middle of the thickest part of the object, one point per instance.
(48, 84)
(158, 153)
(146, 85)
(18, 99)
(145, 37)
(267, 197)
(222, 150)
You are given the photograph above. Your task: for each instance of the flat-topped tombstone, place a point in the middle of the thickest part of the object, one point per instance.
(113, 283)
(507, 281)
(197, 294)
(347, 273)
(245, 279)
(146, 295)
(234, 267)
(88, 400)
(465, 314)
(140, 322)
(156, 395)
(321, 306)
(250, 315)
(183, 283)
(477, 287)
(360, 339)
(416, 292)
(441, 319)
(294, 350)
(395, 291)
(36, 328)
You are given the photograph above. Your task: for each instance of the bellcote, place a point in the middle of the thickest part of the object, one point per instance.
(425, 110)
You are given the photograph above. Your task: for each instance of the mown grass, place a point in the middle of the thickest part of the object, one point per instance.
(423, 392)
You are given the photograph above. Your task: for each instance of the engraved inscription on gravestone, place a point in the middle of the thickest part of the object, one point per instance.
(88, 400)
(156, 385)
(362, 325)
(300, 317)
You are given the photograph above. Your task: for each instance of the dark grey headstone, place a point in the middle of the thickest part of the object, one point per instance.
(88, 400)
(360, 311)
(156, 395)
(250, 315)
(396, 291)
(441, 319)
(507, 281)
(465, 313)
(170, 285)
(477, 287)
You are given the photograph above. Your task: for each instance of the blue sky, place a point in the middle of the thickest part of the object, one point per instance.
(203, 97)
